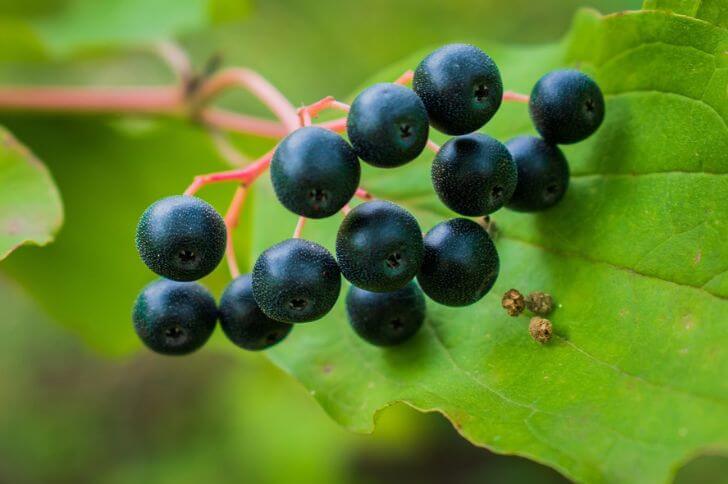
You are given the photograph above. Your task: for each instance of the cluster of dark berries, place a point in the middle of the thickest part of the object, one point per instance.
(380, 247)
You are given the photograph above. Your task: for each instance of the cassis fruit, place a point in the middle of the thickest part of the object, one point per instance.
(296, 281)
(461, 263)
(181, 238)
(474, 174)
(543, 174)
(460, 86)
(314, 172)
(386, 318)
(566, 106)
(174, 318)
(379, 246)
(388, 125)
(242, 320)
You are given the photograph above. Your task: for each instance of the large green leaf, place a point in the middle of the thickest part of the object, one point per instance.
(634, 382)
(30, 206)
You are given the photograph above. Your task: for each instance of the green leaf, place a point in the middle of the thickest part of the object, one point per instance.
(634, 382)
(224, 11)
(30, 206)
(713, 11)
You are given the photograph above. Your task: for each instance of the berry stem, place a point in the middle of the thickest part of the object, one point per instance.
(244, 176)
(232, 218)
(163, 100)
(346, 209)
(176, 58)
(405, 78)
(307, 113)
(432, 146)
(363, 194)
(515, 97)
(299, 227)
(257, 85)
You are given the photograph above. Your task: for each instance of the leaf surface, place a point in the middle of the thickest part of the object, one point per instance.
(30, 205)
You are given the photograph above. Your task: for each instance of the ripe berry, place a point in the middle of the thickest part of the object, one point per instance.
(314, 172)
(242, 320)
(543, 174)
(460, 86)
(181, 238)
(296, 281)
(386, 318)
(460, 265)
(388, 125)
(474, 174)
(379, 246)
(566, 106)
(174, 318)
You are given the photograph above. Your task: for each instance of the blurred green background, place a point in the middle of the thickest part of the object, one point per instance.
(68, 414)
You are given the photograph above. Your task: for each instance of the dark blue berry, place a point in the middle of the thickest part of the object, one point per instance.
(388, 125)
(181, 238)
(566, 106)
(461, 263)
(174, 318)
(314, 172)
(242, 320)
(474, 174)
(296, 281)
(543, 174)
(386, 318)
(461, 88)
(379, 246)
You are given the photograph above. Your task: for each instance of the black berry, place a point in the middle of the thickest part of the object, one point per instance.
(242, 320)
(379, 246)
(314, 172)
(566, 106)
(386, 318)
(174, 318)
(460, 265)
(460, 86)
(296, 281)
(543, 174)
(474, 174)
(181, 238)
(388, 125)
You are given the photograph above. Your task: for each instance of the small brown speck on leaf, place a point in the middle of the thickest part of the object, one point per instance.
(513, 302)
(540, 303)
(540, 329)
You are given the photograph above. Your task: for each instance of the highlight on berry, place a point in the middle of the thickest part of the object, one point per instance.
(380, 247)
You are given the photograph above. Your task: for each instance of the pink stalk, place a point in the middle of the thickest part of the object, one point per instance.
(299, 227)
(153, 100)
(363, 194)
(311, 111)
(405, 78)
(241, 123)
(232, 217)
(516, 97)
(176, 58)
(346, 209)
(257, 85)
(432, 146)
(244, 176)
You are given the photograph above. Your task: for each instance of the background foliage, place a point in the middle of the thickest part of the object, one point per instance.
(221, 415)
